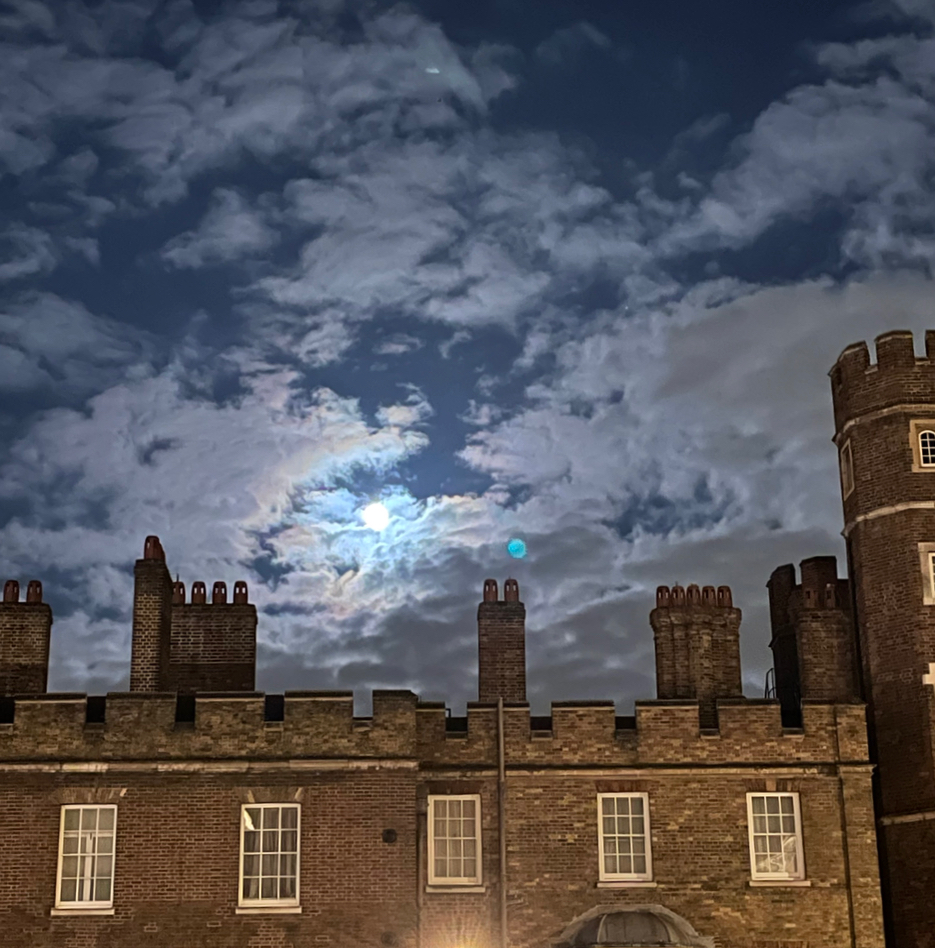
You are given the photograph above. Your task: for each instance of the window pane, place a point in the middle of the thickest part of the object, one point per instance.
(89, 818)
(270, 841)
(251, 888)
(607, 806)
(773, 824)
(636, 805)
(772, 804)
(639, 844)
(251, 842)
(610, 864)
(788, 824)
(440, 827)
(287, 865)
(758, 805)
(636, 825)
(441, 808)
(105, 822)
(70, 844)
(623, 844)
(610, 845)
(271, 817)
(251, 865)
(470, 868)
(287, 888)
(441, 848)
(270, 865)
(759, 824)
(70, 867)
(251, 818)
(72, 818)
(102, 890)
(104, 866)
(268, 888)
(610, 824)
(469, 848)
(759, 844)
(441, 868)
(468, 828)
(69, 890)
(288, 841)
(467, 808)
(454, 809)
(290, 817)
(786, 805)
(639, 864)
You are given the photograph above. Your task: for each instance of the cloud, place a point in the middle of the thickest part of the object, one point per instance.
(229, 230)
(569, 43)
(56, 344)
(31, 252)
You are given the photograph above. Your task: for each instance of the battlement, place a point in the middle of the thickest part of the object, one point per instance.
(130, 729)
(693, 597)
(897, 377)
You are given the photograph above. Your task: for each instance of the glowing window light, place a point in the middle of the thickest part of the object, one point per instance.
(376, 516)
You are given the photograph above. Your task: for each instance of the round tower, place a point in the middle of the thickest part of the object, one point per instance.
(884, 417)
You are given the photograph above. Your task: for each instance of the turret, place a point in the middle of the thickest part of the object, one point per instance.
(501, 640)
(884, 415)
(697, 638)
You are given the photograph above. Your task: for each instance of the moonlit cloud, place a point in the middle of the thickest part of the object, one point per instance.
(266, 267)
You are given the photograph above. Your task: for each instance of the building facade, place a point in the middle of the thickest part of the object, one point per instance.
(193, 810)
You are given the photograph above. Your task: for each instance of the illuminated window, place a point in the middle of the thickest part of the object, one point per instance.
(269, 854)
(623, 837)
(454, 840)
(927, 448)
(847, 470)
(86, 857)
(775, 836)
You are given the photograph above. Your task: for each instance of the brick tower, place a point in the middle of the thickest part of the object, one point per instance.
(884, 416)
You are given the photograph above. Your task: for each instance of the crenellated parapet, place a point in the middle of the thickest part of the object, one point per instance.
(897, 376)
(25, 634)
(130, 729)
(696, 633)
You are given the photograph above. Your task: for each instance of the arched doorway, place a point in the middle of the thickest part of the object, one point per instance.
(631, 926)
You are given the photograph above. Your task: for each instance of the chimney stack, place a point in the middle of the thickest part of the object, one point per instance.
(25, 630)
(501, 640)
(152, 611)
(697, 638)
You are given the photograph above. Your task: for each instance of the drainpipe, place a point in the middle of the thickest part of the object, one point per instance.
(846, 851)
(421, 819)
(501, 801)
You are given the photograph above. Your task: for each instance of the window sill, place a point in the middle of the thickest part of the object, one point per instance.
(456, 888)
(627, 884)
(81, 911)
(798, 883)
(268, 910)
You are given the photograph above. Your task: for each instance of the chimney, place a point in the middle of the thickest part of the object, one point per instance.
(813, 642)
(25, 630)
(152, 605)
(697, 638)
(501, 642)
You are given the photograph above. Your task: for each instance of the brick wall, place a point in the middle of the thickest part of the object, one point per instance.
(213, 648)
(177, 848)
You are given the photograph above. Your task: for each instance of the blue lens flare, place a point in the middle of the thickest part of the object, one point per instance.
(516, 548)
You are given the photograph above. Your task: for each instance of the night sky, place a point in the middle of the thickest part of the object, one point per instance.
(560, 271)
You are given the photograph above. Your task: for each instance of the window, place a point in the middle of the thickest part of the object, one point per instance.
(927, 448)
(269, 854)
(775, 836)
(86, 857)
(847, 470)
(623, 837)
(454, 840)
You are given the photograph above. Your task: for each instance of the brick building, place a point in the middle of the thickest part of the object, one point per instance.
(195, 811)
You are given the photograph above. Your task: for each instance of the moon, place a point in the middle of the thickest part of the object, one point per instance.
(376, 516)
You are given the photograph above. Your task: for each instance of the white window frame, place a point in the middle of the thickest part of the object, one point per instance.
(83, 904)
(847, 470)
(259, 901)
(604, 876)
(445, 881)
(918, 427)
(799, 875)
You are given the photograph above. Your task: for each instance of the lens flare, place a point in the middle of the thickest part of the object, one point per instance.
(516, 548)
(376, 516)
